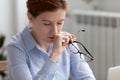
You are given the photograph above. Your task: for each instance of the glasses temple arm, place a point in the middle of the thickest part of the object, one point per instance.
(84, 48)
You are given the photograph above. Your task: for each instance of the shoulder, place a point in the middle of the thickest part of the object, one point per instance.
(22, 40)
(16, 40)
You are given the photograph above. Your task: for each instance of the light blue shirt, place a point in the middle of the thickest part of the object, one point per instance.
(27, 62)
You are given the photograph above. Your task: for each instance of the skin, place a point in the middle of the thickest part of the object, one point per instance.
(46, 28)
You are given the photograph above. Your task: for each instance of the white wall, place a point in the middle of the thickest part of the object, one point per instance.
(109, 5)
(81, 5)
(78, 4)
(5, 18)
(105, 5)
(12, 17)
(21, 14)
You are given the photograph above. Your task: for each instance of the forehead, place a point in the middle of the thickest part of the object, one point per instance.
(52, 15)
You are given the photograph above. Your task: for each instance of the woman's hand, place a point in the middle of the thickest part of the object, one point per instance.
(60, 42)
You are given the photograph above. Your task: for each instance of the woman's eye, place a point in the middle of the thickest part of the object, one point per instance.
(46, 24)
(60, 23)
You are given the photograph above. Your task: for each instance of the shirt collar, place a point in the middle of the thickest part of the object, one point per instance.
(28, 39)
(41, 49)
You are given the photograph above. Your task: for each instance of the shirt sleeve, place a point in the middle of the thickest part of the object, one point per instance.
(47, 72)
(19, 70)
(80, 69)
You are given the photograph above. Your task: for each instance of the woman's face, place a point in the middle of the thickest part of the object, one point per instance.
(47, 24)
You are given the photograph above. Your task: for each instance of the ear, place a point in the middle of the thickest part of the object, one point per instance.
(30, 17)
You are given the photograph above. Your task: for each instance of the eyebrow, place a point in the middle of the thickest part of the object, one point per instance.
(50, 21)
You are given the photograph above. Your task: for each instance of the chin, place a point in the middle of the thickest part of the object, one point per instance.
(50, 41)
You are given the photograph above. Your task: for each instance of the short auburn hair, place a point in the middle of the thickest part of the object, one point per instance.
(36, 7)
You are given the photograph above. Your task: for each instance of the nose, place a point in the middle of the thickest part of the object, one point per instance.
(54, 29)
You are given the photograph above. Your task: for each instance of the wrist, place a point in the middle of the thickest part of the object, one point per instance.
(54, 56)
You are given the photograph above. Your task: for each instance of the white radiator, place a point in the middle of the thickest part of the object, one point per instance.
(101, 38)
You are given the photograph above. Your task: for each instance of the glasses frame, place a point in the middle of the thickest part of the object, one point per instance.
(78, 51)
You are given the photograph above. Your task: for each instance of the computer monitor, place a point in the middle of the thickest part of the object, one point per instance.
(114, 73)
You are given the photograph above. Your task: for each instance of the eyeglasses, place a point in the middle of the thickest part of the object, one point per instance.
(77, 47)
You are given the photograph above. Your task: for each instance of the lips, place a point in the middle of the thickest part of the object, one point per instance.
(51, 38)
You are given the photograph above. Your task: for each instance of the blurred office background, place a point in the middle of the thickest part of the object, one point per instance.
(100, 19)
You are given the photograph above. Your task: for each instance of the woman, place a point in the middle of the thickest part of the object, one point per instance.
(40, 51)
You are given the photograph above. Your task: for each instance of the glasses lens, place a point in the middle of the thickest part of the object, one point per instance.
(85, 57)
(74, 48)
(78, 48)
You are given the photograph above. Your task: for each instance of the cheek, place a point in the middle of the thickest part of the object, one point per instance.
(38, 31)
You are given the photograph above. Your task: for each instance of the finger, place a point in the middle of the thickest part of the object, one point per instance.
(68, 35)
(73, 37)
(65, 40)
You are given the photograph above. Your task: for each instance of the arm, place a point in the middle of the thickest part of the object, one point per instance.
(80, 69)
(17, 66)
(19, 69)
